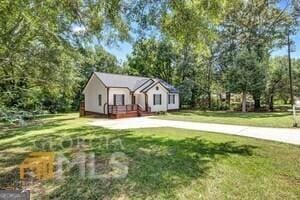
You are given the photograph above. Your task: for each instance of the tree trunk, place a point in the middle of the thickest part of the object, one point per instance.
(193, 97)
(256, 103)
(209, 100)
(228, 97)
(271, 103)
(244, 102)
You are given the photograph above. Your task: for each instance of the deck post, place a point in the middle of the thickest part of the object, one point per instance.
(107, 94)
(294, 116)
(146, 102)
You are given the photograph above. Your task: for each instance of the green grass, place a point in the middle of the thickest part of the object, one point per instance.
(163, 163)
(263, 119)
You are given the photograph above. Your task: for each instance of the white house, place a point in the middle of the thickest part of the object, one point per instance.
(116, 95)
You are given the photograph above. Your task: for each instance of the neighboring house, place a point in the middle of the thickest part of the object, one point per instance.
(116, 95)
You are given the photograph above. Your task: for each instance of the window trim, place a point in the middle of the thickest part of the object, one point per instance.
(154, 102)
(171, 99)
(99, 99)
(115, 99)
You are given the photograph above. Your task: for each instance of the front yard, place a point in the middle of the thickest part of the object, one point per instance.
(262, 119)
(163, 163)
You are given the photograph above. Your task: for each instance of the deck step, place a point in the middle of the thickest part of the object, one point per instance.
(144, 113)
(125, 114)
(130, 114)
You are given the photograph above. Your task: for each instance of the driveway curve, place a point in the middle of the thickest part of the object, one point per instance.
(286, 135)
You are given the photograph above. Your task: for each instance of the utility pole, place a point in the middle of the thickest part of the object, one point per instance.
(290, 69)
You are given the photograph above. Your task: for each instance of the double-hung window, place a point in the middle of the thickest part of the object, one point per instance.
(171, 99)
(119, 99)
(157, 99)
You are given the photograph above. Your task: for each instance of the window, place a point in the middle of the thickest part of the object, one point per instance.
(157, 99)
(157, 88)
(171, 99)
(99, 99)
(119, 99)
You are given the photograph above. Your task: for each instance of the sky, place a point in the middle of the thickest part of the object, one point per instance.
(122, 49)
(295, 38)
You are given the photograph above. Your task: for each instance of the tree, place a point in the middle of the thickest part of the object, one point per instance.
(240, 75)
(186, 75)
(39, 51)
(258, 26)
(277, 81)
(97, 59)
(154, 58)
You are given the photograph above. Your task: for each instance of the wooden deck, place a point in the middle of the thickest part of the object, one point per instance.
(116, 112)
(132, 110)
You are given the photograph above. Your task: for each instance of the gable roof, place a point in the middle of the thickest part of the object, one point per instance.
(170, 87)
(154, 83)
(133, 83)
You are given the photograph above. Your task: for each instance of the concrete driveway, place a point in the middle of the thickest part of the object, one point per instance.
(286, 135)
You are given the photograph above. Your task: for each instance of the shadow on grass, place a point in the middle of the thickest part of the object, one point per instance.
(157, 165)
(32, 126)
(248, 115)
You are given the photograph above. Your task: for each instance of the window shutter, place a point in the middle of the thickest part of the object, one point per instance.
(173, 98)
(154, 101)
(114, 99)
(123, 99)
(160, 99)
(99, 100)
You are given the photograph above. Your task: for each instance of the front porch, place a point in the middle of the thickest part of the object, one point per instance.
(130, 110)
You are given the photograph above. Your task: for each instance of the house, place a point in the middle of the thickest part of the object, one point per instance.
(116, 96)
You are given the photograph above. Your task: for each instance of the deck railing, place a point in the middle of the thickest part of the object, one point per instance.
(114, 109)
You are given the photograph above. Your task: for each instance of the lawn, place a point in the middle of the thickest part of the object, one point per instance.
(163, 163)
(262, 119)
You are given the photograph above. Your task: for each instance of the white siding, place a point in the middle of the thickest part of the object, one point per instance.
(96, 87)
(176, 105)
(140, 99)
(164, 98)
(124, 91)
(91, 92)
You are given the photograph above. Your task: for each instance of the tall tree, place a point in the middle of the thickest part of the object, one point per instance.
(277, 81)
(39, 54)
(154, 58)
(186, 75)
(258, 26)
(241, 74)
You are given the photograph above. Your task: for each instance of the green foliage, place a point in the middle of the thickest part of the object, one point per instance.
(257, 27)
(97, 59)
(49, 49)
(247, 73)
(40, 58)
(154, 58)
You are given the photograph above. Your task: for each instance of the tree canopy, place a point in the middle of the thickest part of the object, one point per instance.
(49, 48)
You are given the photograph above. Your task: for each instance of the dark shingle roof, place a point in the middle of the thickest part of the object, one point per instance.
(171, 88)
(131, 82)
